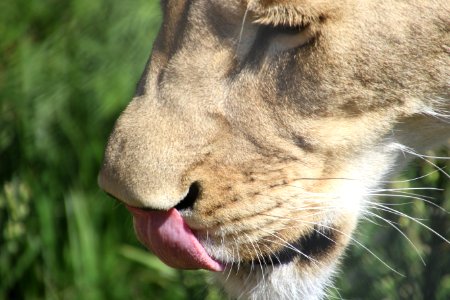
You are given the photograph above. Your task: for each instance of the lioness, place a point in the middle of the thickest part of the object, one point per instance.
(259, 128)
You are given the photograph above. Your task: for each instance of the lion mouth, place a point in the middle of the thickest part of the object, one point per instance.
(307, 248)
(167, 235)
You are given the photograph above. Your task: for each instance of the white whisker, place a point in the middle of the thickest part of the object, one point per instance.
(409, 180)
(257, 255)
(410, 151)
(411, 197)
(241, 32)
(360, 244)
(418, 221)
(400, 231)
(288, 245)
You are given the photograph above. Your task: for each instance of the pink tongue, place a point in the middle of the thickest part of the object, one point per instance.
(167, 235)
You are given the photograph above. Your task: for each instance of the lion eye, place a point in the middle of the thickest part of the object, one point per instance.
(288, 37)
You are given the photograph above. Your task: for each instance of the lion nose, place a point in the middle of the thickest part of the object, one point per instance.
(149, 157)
(142, 192)
(153, 152)
(139, 176)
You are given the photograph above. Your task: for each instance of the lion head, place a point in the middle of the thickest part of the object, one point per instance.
(260, 126)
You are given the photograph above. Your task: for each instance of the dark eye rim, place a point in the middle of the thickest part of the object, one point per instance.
(287, 29)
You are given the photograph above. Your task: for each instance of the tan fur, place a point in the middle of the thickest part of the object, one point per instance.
(282, 131)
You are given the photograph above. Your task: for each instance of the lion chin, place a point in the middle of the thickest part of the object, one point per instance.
(261, 128)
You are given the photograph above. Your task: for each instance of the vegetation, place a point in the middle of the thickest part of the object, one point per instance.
(67, 69)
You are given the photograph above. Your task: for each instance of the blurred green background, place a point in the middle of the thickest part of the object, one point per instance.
(67, 69)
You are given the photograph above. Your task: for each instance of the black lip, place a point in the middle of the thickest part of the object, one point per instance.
(307, 248)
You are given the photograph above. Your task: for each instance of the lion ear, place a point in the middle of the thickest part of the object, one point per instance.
(293, 12)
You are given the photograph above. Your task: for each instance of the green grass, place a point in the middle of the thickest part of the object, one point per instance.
(67, 69)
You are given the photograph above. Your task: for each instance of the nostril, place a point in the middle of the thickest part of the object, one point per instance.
(192, 196)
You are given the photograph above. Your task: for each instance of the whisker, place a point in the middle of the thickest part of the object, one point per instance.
(241, 32)
(270, 256)
(238, 255)
(401, 232)
(251, 269)
(409, 180)
(411, 197)
(408, 150)
(324, 235)
(442, 116)
(231, 264)
(358, 243)
(257, 255)
(377, 206)
(397, 204)
(407, 189)
(393, 211)
(368, 219)
(288, 245)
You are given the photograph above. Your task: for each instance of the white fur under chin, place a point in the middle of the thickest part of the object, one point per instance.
(280, 282)
(292, 282)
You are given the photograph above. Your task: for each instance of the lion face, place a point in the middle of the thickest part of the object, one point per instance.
(259, 127)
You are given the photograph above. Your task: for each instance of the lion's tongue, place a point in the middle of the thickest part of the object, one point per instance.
(167, 235)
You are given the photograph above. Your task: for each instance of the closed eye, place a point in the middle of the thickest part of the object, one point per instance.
(290, 37)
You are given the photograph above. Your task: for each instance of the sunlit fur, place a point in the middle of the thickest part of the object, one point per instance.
(290, 135)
